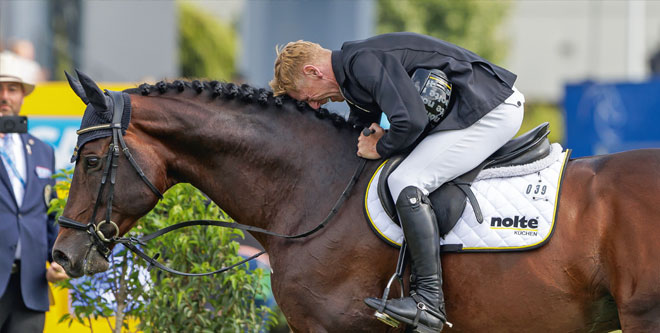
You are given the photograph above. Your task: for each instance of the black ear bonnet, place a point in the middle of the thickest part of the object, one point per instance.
(99, 111)
(92, 117)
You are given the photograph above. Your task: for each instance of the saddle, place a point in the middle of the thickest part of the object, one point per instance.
(450, 199)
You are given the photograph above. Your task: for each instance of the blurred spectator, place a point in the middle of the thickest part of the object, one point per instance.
(655, 63)
(25, 49)
(249, 246)
(27, 232)
(22, 48)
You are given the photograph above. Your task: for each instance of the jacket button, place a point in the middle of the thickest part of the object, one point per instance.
(519, 104)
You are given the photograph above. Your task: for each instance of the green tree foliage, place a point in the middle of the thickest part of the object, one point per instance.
(218, 303)
(117, 293)
(472, 24)
(169, 303)
(65, 23)
(207, 47)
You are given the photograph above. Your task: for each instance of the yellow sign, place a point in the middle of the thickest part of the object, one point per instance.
(54, 99)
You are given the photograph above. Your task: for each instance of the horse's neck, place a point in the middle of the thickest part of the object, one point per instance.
(275, 168)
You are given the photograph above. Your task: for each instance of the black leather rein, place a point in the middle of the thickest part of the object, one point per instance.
(110, 172)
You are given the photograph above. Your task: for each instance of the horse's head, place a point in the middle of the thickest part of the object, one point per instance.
(103, 173)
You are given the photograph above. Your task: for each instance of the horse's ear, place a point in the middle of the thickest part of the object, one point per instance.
(77, 87)
(92, 91)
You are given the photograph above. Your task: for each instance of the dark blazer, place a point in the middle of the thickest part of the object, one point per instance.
(31, 223)
(374, 76)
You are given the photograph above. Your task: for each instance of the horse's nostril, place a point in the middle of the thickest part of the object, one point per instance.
(61, 259)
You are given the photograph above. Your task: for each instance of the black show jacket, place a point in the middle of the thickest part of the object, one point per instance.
(374, 77)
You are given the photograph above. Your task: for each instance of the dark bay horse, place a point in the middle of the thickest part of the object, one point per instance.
(273, 163)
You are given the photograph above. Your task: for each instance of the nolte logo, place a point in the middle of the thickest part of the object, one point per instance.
(516, 222)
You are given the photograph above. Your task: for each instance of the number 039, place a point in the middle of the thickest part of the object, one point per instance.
(538, 189)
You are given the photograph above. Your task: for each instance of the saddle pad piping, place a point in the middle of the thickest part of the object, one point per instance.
(370, 221)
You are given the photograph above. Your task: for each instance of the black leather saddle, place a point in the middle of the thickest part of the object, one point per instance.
(449, 200)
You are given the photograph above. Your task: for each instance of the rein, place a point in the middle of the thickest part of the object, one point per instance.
(110, 171)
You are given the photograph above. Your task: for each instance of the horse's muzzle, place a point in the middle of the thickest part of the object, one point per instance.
(75, 252)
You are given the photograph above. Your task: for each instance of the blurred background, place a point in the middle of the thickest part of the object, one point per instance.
(585, 66)
(590, 68)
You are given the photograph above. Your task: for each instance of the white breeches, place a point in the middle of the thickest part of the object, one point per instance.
(445, 155)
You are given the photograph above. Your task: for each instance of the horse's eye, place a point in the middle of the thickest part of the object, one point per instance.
(92, 161)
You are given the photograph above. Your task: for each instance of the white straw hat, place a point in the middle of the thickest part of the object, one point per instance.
(16, 69)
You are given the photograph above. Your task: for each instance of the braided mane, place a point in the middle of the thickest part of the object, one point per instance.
(244, 92)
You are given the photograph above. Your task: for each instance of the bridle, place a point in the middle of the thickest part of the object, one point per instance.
(102, 243)
(109, 174)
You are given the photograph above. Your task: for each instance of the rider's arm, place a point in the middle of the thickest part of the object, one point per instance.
(386, 80)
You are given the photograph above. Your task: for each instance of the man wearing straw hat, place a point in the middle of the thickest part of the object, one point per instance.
(27, 232)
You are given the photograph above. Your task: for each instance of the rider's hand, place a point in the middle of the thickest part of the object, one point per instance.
(55, 273)
(367, 144)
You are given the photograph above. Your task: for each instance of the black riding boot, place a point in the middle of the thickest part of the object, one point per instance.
(425, 308)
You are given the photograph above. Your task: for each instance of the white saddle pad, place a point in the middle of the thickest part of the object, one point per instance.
(518, 205)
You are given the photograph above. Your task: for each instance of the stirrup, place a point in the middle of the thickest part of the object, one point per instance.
(385, 318)
(380, 314)
(398, 274)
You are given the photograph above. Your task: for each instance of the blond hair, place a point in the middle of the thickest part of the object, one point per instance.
(288, 63)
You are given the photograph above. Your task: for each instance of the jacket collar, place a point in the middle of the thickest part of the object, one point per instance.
(337, 67)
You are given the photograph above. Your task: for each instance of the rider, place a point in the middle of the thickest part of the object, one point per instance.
(374, 76)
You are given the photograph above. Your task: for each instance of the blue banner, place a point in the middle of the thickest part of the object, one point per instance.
(608, 118)
(59, 132)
